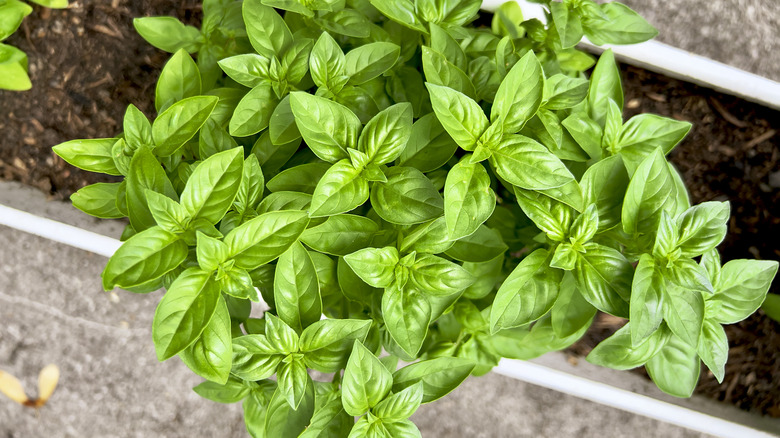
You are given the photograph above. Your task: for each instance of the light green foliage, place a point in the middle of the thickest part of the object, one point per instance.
(443, 194)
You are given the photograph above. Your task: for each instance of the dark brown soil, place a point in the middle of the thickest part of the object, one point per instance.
(87, 64)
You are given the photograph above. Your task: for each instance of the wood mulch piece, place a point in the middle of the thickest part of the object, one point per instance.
(87, 64)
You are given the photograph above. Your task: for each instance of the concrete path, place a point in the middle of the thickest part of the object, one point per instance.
(53, 310)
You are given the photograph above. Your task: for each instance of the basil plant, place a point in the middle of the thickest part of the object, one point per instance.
(407, 198)
(13, 62)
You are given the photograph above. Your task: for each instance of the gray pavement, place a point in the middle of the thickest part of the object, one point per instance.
(53, 310)
(741, 33)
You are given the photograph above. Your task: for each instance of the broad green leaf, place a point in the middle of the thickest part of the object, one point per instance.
(347, 22)
(340, 190)
(264, 238)
(553, 218)
(525, 163)
(407, 314)
(293, 380)
(213, 185)
(567, 24)
(184, 312)
(213, 139)
(13, 68)
(369, 61)
(179, 79)
(702, 227)
(180, 122)
(232, 391)
(742, 288)
(519, 95)
(562, 92)
(487, 276)
(407, 198)
(440, 71)
(483, 245)
(341, 234)
(302, 178)
(605, 184)
(282, 421)
(253, 112)
(644, 133)
(604, 85)
(684, 312)
(714, 348)
(427, 238)
(585, 132)
(329, 419)
(604, 279)
(442, 42)
(211, 356)
(98, 200)
(401, 405)
(618, 353)
(438, 276)
(675, 369)
(375, 266)
(137, 129)
(93, 155)
(251, 188)
(386, 134)
(168, 34)
(326, 344)
(146, 256)
(646, 304)
(266, 29)
(527, 294)
(650, 191)
(327, 127)
(429, 146)
(249, 70)
(145, 173)
(461, 117)
(366, 381)
(254, 357)
(327, 63)
(571, 312)
(296, 60)
(621, 26)
(439, 376)
(401, 12)
(296, 290)
(468, 199)
(282, 128)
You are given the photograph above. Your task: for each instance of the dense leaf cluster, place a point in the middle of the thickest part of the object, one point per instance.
(13, 62)
(446, 194)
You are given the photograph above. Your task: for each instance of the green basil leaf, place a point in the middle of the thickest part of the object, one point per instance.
(146, 256)
(303, 178)
(621, 26)
(296, 60)
(98, 200)
(684, 312)
(293, 380)
(401, 12)
(326, 62)
(296, 290)
(327, 127)
(180, 122)
(347, 22)
(604, 85)
(483, 245)
(137, 129)
(329, 419)
(440, 71)
(439, 277)
(468, 199)
(553, 218)
(250, 190)
(605, 184)
(644, 133)
(145, 173)
(368, 61)
(401, 405)
(282, 127)
(439, 376)
(375, 266)
(366, 381)
(562, 92)
(341, 234)
(650, 191)
(93, 155)
(326, 344)
(461, 117)
(232, 391)
(702, 227)
(340, 190)
(427, 238)
(571, 312)
(249, 70)
(352, 286)
(646, 304)
(525, 163)
(211, 356)
(527, 294)
(184, 312)
(213, 185)
(253, 112)
(429, 146)
(407, 314)
(267, 31)
(714, 348)
(742, 287)
(278, 201)
(519, 95)
(264, 238)
(254, 358)
(617, 351)
(442, 42)
(675, 369)
(386, 134)
(179, 79)
(213, 139)
(567, 24)
(487, 276)
(604, 279)
(407, 198)
(283, 421)
(168, 34)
